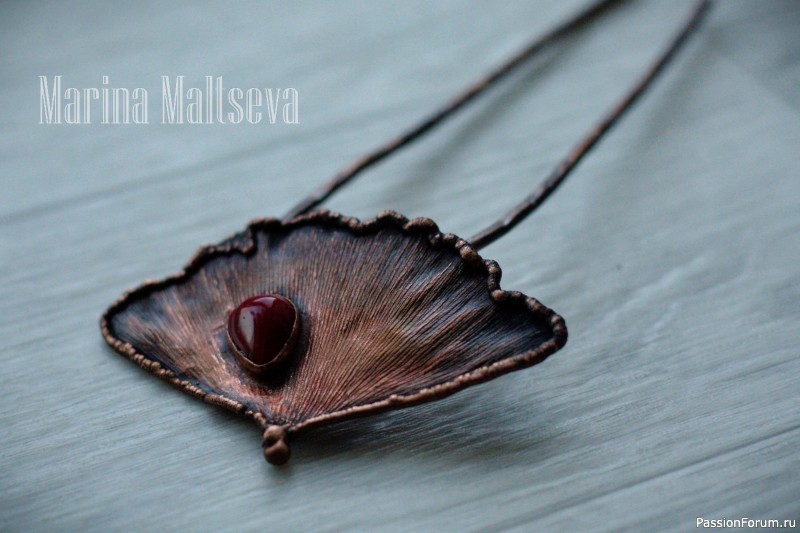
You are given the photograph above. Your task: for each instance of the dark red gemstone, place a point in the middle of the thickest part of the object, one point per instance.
(260, 328)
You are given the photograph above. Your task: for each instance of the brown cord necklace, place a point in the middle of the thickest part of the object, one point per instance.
(319, 317)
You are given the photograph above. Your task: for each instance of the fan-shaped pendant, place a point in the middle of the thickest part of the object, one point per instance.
(321, 318)
(369, 316)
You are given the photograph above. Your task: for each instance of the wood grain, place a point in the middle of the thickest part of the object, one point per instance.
(672, 253)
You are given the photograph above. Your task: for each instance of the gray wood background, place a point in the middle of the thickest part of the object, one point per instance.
(672, 252)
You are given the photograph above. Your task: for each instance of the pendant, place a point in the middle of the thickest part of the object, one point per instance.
(371, 316)
(319, 317)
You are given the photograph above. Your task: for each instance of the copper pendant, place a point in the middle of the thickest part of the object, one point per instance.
(391, 313)
(321, 317)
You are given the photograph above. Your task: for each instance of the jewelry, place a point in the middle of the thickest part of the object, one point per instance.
(320, 317)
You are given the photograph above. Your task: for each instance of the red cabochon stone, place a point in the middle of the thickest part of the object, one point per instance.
(261, 326)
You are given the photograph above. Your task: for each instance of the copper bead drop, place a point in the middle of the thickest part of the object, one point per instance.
(262, 332)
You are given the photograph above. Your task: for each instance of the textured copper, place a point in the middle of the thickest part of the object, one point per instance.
(394, 313)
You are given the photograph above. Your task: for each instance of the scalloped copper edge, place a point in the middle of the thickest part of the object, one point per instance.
(273, 433)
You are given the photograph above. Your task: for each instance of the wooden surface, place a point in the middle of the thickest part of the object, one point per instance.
(672, 253)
